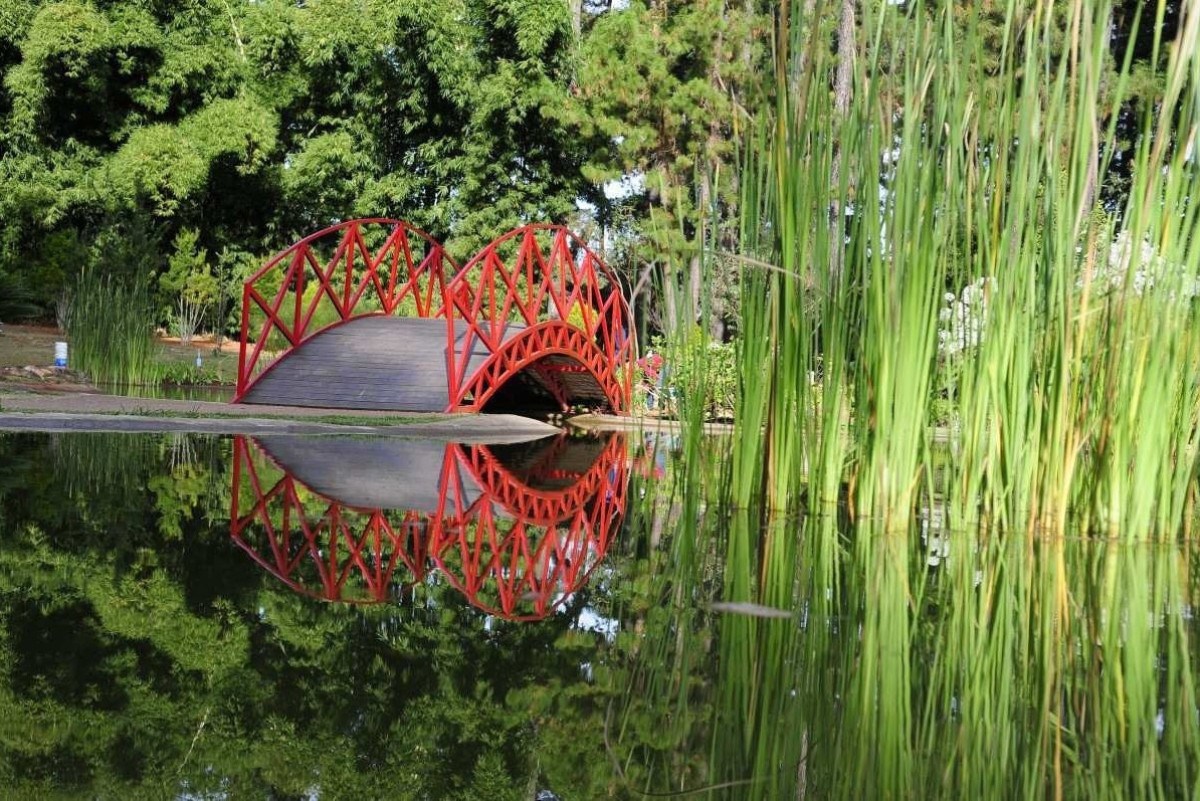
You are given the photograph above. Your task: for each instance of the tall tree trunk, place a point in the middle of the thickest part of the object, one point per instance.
(705, 238)
(704, 201)
(670, 307)
(841, 103)
(846, 55)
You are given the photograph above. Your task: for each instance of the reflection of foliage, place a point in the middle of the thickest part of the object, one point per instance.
(141, 654)
(178, 494)
(141, 660)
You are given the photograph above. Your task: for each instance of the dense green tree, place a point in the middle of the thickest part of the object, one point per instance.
(124, 122)
(662, 94)
(254, 124)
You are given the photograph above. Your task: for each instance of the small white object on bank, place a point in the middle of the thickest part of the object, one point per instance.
(60, 355)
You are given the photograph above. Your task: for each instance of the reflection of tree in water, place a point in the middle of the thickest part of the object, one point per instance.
(136, 661)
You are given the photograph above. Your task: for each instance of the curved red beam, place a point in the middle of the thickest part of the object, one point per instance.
(549, 278)
(374, 286)
(541, 278)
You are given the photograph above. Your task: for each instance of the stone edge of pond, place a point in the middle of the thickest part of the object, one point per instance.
(939, 435)
(494, 432)
(478, 429)
(612, 422)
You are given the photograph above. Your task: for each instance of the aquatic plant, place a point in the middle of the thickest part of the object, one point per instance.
(815, 657)
(111, 331)
(690, 367)
(958, 162)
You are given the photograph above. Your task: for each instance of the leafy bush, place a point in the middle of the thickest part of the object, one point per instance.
(186, 374)
(576, 317)
(188, 284)
(698, 369)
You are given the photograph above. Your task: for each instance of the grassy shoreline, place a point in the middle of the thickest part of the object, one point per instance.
(33, 345)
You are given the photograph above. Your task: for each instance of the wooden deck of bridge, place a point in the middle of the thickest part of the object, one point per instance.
(396, 363)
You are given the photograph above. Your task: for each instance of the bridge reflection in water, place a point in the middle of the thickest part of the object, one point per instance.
(515, 528)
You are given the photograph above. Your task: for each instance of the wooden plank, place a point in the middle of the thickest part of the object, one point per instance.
(382, 363)
(396, 363)
(389, 363)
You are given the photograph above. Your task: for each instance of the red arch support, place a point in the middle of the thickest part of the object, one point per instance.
(513, 550)
(536, 302)
(547, 281)
(547, 507)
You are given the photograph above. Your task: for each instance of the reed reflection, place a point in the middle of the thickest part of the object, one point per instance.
(516, 528)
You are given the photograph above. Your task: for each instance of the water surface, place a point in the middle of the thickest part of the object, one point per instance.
(228, 617)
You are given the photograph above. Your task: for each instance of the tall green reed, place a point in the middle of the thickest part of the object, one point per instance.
(908, 665)
(111, 331)
(968, 159)
(1008, 669)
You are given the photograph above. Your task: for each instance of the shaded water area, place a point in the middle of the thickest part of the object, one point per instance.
(229, 617)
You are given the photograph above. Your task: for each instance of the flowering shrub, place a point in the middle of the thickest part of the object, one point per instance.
(698, 369)
(1145, 269)
(963, 317)
(651, 365)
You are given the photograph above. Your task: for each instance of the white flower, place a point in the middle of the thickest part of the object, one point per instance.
(963, 320)
(1145, 268)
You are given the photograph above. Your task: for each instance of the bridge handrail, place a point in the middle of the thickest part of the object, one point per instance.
(566, 279)
(341, 287)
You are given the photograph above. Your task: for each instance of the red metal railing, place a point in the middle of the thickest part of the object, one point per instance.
(333, 276)
(537, 291)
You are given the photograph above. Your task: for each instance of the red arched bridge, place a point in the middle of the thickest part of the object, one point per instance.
(517, 531)
(373, 314)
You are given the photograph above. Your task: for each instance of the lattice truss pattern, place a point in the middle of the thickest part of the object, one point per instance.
(334, 276)
(546, 279)
(535, 302)
(515, 551)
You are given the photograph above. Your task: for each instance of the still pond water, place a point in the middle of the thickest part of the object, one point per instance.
(321, 618)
